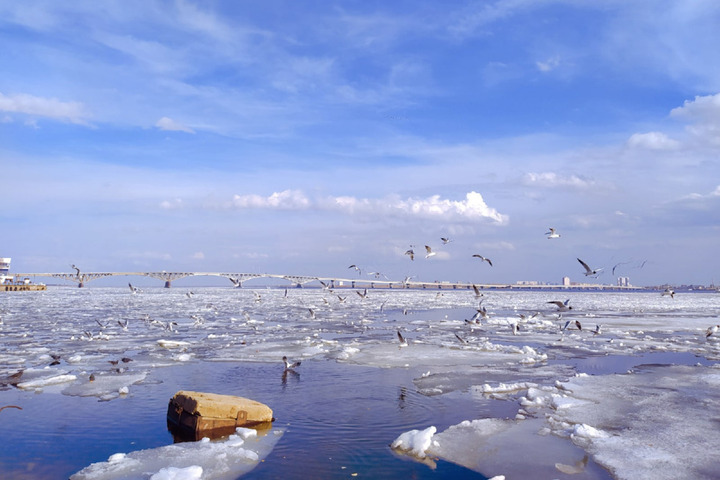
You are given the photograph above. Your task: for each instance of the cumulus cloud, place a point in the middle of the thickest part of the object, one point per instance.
(652, 141)
(171, 125)
(704, 114)
(473, 207)
(705, 109)
(553, 180)
(73, 112)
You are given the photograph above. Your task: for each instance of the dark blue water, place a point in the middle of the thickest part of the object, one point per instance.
(338, 420)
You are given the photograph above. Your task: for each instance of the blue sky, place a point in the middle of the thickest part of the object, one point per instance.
(302, 137)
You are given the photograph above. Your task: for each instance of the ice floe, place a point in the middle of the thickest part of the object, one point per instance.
(211, 460)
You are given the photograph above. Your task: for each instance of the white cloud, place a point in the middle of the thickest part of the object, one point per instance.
(549, 64)
(73, 112)
(198, 256)
(704, 113)
(171, 204)
(473, 207)
(285, 200)
(705, 109)
(652, 141)
(169, 124)
(553, 180)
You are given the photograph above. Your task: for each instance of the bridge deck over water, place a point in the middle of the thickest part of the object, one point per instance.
(238, 279)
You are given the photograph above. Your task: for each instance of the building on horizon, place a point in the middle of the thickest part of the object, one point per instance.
(566, 281)
(623, 281)
(5, 270)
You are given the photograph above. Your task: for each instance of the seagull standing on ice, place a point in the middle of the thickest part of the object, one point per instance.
(290, 366)
(430, 253)
(552, 233)
(483, 259)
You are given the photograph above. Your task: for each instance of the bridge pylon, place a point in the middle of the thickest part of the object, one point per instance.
(168, 277)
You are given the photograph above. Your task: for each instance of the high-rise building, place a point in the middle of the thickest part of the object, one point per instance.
(4, 270)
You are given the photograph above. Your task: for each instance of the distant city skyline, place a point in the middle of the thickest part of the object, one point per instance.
(303, 138)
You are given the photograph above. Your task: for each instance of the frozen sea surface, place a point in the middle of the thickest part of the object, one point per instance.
(94, 368)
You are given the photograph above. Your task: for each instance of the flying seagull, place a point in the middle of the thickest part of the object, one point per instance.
(669, 292)
(288, 365)
(356, 268)
(403, 341)
(445, 240)
(589, 271)
(552, 233)
(411, 253)
(430, 253)
(562, 306)
(483, 259)
(477, 291)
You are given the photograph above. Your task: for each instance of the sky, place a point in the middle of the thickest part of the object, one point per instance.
(289, 137)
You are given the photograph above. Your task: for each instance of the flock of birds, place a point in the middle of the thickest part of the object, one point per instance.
(481, 315)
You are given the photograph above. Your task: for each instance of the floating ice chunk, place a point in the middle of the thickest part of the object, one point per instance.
(46, 381)
(183, 357)
(226, 459)
(173, 473)
(587, 431)
(105, 386)
(172, 343)
(415, 442)
(507, 387)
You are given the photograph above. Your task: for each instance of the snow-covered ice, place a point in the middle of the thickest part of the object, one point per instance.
(650, 422)
(217, 460)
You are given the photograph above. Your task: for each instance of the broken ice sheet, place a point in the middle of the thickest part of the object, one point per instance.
(217, 460)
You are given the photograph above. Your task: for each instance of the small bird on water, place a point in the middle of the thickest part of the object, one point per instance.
(288, 365)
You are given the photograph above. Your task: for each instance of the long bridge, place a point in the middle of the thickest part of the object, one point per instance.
(237, 279)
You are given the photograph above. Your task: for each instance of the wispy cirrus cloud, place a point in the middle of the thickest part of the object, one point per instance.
(171, 125)
(473, 207)
(26, 104)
